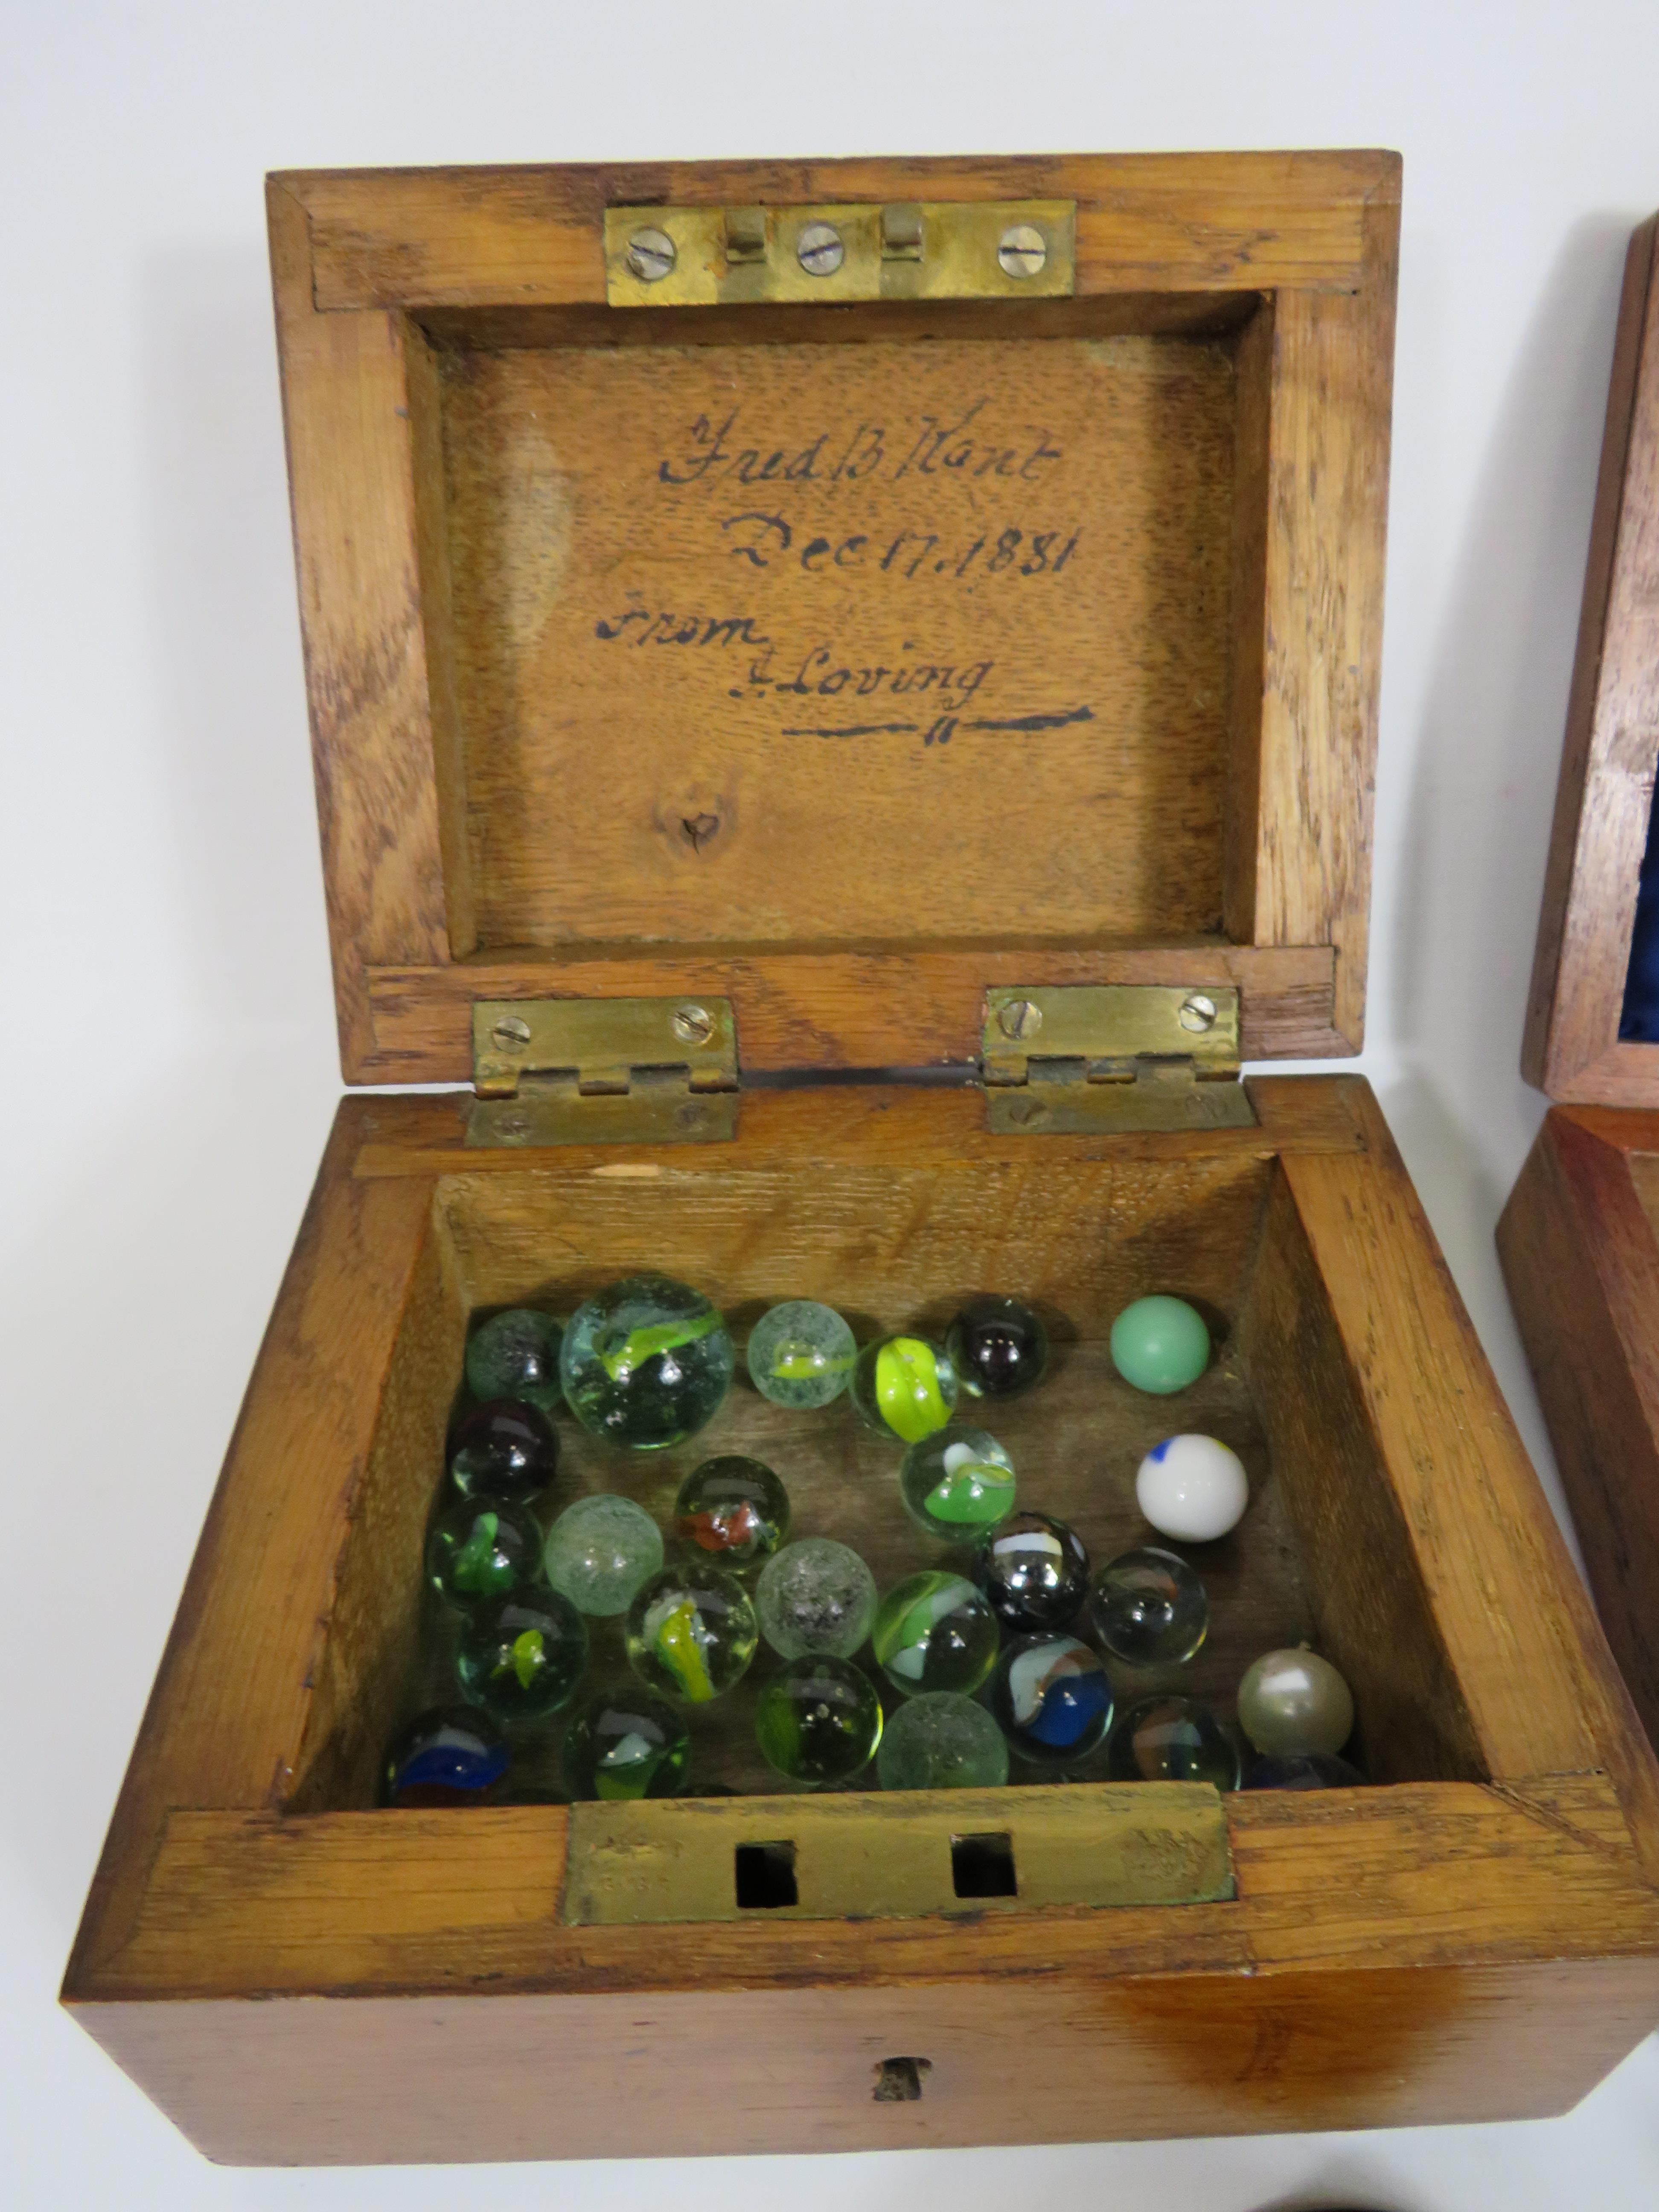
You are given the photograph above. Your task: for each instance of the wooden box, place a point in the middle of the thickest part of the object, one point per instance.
(1578, 1239)
(950, 649)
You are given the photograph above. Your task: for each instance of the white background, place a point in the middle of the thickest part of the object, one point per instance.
(168, 1046)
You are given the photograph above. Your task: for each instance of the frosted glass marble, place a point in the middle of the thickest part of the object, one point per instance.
(816, 1596)
(1148, 1609)
(957, 1485)
(1171, 1740)
(1160, 1344)
(935, 1631)
(1192, 1488)
(942, 1740)
(690, 1633)
(819, 1721)
(600, 1550)
(647, 1362)
(516, 1354)
(904, 1387)
(1294, 1702)
(801, 1354)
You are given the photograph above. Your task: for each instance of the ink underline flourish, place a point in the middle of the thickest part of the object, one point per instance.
(1018, 724)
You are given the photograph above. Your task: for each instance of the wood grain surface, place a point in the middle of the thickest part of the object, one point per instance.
(1496, 1940)
(1571, 1047)
(500, 782)
(1581, 1258)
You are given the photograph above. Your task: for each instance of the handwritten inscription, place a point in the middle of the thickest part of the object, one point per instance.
(765, 540)
(964, 446)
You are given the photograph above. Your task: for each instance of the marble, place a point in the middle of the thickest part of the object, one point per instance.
(449, 1755)
(1160, 1344)
(904, 1387)
(942, 1740)
(935, 1631)
(522, 1659)
(623, 1743)
(504, 1448)
(1193, 1488)
(1294, 1703)
(690, 1633)
(957, 1485)
(516, 1354)
(801, 1354)
(1148, 1609)
(819, 1721)
(1035, 1571)
(481, 1549)
(814, 1596)
(1171, 1740)
(647, 1362)
(600, 1550)
(734, 1509)
(999, 1347)
(1051, 1699)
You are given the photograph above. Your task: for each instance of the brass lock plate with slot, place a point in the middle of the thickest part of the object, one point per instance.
(603, 1071)
(704, 257)
(1079, 1058)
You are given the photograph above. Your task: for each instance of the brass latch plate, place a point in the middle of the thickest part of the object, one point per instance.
(702, 257)
(603, 1071)
(1074, 1059)
(896, 1855)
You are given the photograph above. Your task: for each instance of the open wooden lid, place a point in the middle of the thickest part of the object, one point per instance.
(1001, 614)
(1593, 1015)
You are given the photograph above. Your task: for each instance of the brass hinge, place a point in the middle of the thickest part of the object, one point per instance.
(704, 257)
(1078, 1058)
(603, 1071)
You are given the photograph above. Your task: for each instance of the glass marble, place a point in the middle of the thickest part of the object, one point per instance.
(801, 1354)
(734, 1509)
(1304, 1770)
(935, 1631)
(1148, 1609)
(819, 1721)
(1035, 1571)
(1171, 1740)
(998, 1346)
(522, 1659)
(504, 1448)
(480, 1549)
(623, 1743)
(647, 1362)
(1051, 1699)
(814, 1596)
(957, 1485)
(1294, 1702)
(942, 1740)
(1160, 1344)
(690, 1633)
(516, 1355)
(1193, 1488)
(904, 1387)
(450, 1755)
(600, 1550)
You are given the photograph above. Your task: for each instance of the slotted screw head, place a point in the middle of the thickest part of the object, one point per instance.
(693, 1024)
(1020, 1019)
(1198, 1013)
(820, 249)
(650, 255)
(511, 1030)
(1023, 250)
